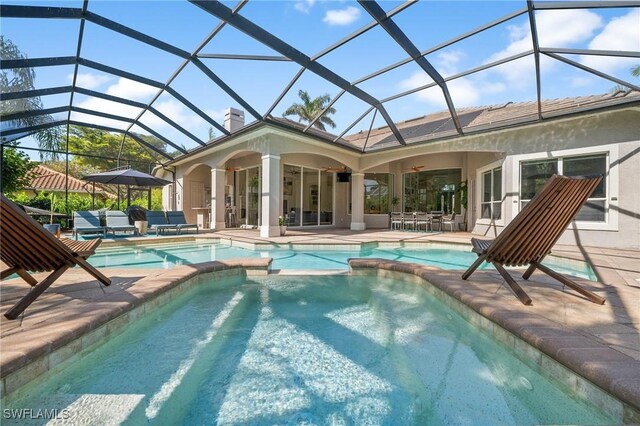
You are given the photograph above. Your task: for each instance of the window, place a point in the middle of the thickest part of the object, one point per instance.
(432, 190)
(534, 174)
(491, 204)
(377, 193)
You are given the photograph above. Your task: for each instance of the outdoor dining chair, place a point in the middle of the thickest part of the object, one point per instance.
(408, 220)
(396, 221)
(451, 221)
(423, 219)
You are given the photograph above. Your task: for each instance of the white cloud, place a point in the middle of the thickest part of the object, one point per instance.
(581, 81)
(465, 91)
(217, 115)
(133, 90)
(129, 89)
(176, 111)
(447, 62)
(344, 16)
(90, 81)
(621, 33)
(304, 6)
(102, 105)
(555, 28)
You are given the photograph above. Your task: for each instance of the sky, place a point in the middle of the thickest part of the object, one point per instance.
(310, 26)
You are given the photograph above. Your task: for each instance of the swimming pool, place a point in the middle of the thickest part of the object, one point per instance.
(326, 258)
(295, 350)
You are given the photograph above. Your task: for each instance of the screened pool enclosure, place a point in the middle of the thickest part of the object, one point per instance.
(163, 72)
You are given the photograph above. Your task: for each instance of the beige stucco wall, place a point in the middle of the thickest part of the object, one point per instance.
(618, 128)
(199, 174)
(610, 132)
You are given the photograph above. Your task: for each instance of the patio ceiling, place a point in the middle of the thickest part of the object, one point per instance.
(161, 101)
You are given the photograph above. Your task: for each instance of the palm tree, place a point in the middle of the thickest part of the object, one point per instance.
(309, 109)
(20, 79)
(635, 71)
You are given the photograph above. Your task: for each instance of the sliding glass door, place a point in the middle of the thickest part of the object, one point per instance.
(432, 190)
(247, 187)
(307, 196)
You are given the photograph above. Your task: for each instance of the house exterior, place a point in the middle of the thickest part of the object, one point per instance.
(265, 170)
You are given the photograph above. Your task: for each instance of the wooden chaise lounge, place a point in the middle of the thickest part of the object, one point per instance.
(529, 237)
(26, 246)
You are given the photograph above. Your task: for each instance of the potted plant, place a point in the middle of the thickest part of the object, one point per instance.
(394, 202)
(282, 221)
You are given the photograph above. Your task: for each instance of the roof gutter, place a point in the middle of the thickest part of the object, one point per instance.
(250, 128)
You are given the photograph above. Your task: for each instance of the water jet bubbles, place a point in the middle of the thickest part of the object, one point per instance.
(449, 317)
(526, 383)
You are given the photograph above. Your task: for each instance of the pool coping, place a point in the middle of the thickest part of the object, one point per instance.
(608, 377)
(545, 343)
(44, 350)
(323, 245)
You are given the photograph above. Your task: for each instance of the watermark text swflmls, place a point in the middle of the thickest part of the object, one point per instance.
(30, 414)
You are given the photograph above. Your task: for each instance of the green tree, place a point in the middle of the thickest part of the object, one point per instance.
(20, 79)
(83, 140)
(16, 166)
(309, 109)
(635, 71)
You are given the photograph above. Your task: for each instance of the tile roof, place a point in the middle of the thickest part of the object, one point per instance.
(46, 179)
(440, 124)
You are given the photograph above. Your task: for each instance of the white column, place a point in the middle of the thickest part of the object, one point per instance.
(180, 194)
(270, 196)
(218, 180)
(357, 202)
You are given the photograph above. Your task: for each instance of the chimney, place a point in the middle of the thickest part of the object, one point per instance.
(233, 119)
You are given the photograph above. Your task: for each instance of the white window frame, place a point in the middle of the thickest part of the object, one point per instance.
(333, 195)
(479, 173)
(390, 186)
(612, 187)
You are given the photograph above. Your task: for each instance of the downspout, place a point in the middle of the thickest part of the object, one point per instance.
(171, 170)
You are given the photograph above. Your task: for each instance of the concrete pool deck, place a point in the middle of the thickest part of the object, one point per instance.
(614, 326)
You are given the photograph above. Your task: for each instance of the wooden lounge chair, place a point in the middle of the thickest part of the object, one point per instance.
(157, 221)
(27, 246)
(177, 218)
(119, 221)
(88, 222)
(529, 237)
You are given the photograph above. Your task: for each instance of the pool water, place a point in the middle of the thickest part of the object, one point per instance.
(169, 255)
(295, 350)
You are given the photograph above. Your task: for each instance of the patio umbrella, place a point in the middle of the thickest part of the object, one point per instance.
(126, 177)
(40, 212)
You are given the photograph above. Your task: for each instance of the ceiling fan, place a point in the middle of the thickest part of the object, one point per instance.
(233, 169)
(334, 169)
(414, 169)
